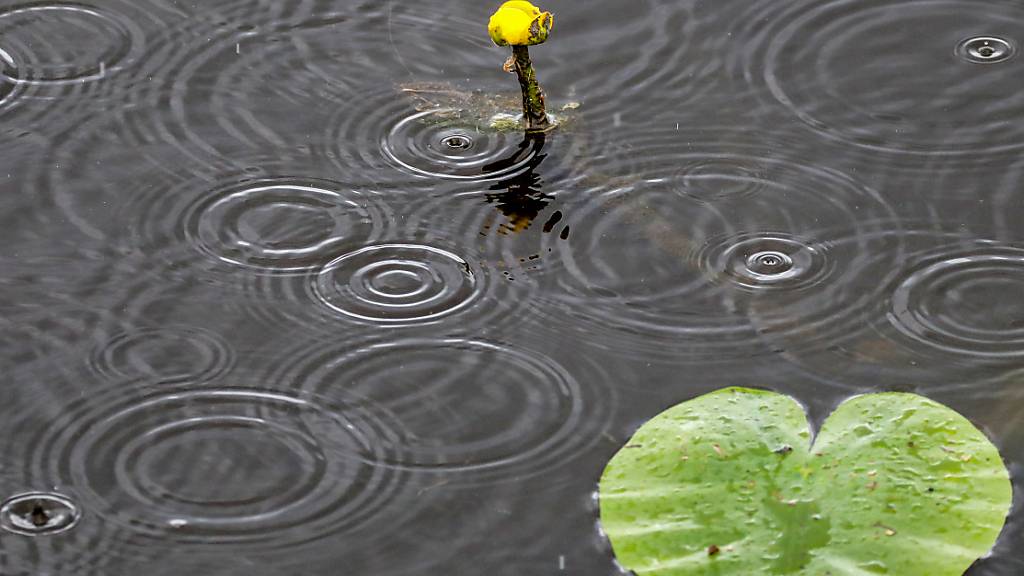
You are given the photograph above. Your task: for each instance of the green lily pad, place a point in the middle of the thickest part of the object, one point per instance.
(732, 483)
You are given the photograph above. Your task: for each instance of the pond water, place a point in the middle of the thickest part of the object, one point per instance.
(270, 303)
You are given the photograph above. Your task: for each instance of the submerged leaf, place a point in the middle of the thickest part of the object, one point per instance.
(730, 483)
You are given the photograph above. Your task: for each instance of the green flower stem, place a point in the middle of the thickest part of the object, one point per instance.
(533, 97)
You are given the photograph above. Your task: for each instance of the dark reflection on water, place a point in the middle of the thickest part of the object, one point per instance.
(521, 198)
(273, 298)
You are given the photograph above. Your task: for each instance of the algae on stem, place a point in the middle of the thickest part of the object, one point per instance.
(534, 110)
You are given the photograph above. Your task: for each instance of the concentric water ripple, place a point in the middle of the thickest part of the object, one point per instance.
(965, 303)
(986, 50)
(888, 75)
(38, 514)
(387, 133)
(227, 465)
(654, 270)
(166, 354)
(94, 41)
(716, 179)
(476, 408)
(397, 283)
(423, 144)
(280, 225)
(765, 261)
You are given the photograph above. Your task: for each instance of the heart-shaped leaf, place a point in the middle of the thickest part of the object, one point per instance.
(730, 484)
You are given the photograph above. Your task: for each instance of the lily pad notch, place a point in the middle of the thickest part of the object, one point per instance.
(731, 483)
(520, 24)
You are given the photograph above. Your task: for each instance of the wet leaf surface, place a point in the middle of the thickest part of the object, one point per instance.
(733, 483)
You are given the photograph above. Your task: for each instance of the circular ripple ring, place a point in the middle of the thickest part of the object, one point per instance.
(397, 283)
(241, 465)
(965, 305)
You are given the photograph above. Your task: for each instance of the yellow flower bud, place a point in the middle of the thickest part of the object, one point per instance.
(519, 23)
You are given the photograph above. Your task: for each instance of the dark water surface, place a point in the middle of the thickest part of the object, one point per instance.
(262, 311)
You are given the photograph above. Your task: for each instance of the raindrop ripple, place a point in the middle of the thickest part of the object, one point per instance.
(223, 466)
(439, 142)
(282, 225)
(397, 283)
(985, 50)
(94, 41)
(165, 354)
(38, 514)
(965, 304)
(766, 261)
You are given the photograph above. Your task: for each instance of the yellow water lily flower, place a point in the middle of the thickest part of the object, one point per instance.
(519, 23)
